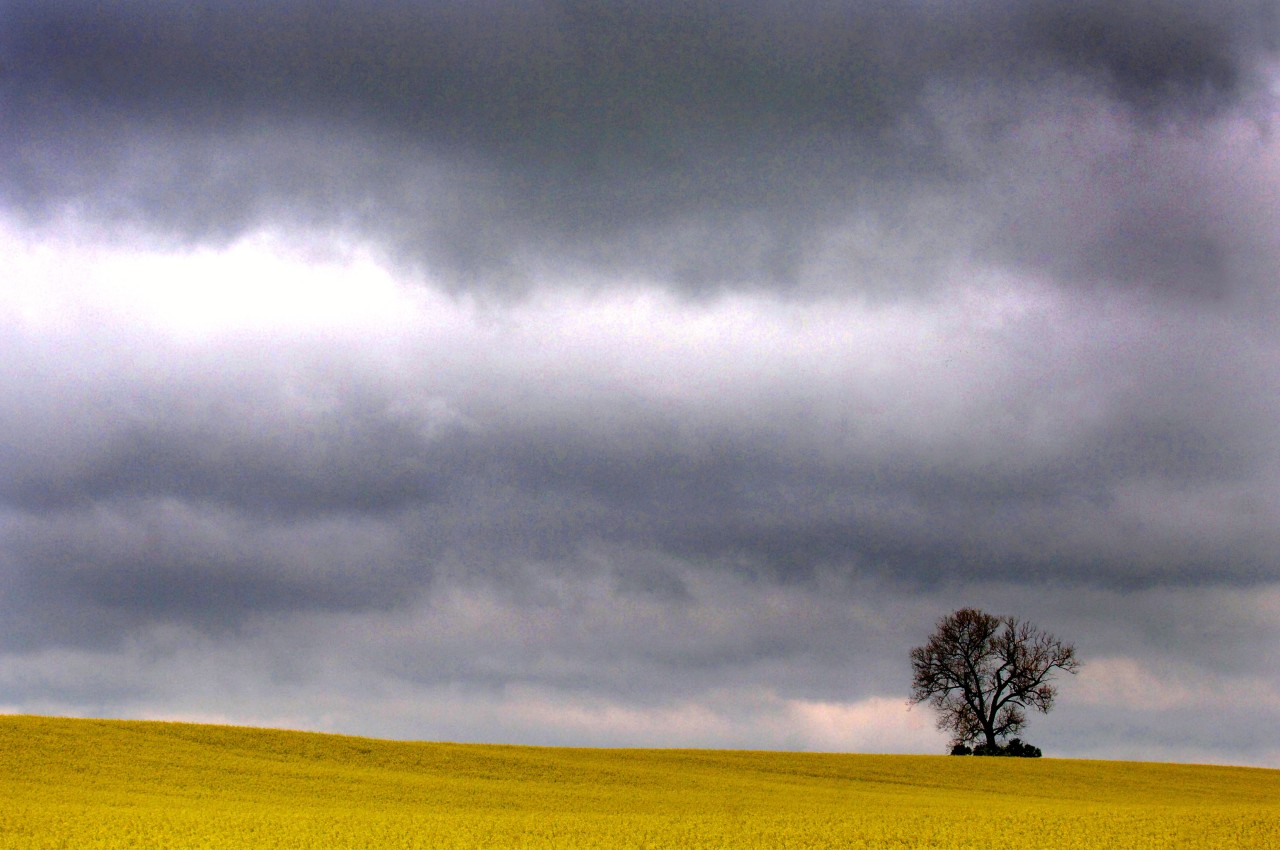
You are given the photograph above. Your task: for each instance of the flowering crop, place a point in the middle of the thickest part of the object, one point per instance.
(89, 784)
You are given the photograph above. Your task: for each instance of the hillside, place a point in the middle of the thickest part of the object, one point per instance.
(108, 784)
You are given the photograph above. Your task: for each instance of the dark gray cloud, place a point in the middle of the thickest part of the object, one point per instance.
(709, 144)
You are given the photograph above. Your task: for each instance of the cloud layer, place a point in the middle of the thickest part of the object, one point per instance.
(576, 373)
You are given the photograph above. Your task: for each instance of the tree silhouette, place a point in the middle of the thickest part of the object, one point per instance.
(982, 672)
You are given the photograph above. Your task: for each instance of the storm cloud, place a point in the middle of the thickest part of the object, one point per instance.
(602, 373)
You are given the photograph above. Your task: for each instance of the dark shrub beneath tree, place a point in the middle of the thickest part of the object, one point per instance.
(1015, 748)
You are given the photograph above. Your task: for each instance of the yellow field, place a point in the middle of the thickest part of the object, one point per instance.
(86, 784)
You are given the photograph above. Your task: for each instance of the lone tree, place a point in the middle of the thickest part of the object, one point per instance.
(982, 672)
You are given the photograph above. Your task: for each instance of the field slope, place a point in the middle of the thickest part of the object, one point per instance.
(89, 784)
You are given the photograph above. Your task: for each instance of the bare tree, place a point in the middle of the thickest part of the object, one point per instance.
(982, 672)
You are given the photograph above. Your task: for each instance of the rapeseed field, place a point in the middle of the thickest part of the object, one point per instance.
(89, 784)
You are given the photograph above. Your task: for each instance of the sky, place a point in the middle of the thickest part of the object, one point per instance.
(640, 374)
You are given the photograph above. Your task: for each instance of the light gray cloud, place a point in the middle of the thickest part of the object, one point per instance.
(203, 495)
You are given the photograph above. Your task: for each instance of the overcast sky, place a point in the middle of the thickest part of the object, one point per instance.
(659, 373)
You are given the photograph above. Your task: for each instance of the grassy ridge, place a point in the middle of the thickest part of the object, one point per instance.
(89, 784)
